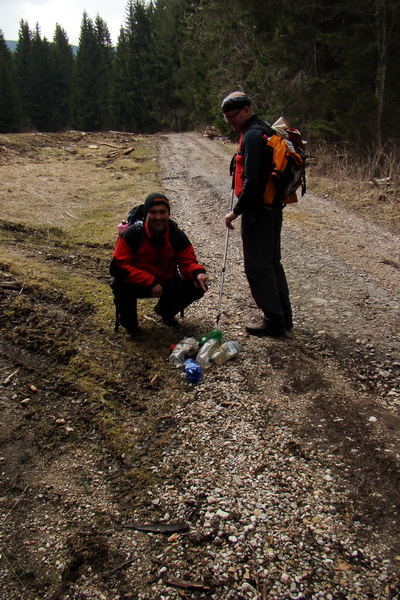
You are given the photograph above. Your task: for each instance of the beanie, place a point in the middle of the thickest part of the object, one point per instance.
(153, 199)
(235, 100)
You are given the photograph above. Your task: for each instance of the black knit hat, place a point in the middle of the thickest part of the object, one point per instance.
(153, 199)
(235, 101)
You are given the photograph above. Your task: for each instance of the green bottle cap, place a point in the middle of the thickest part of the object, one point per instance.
(215, 334)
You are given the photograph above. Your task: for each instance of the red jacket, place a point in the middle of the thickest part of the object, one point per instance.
(153, 261)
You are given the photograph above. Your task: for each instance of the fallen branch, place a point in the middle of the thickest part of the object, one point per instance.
(109, 144)
(8, 379)
(124, 565)
(129, 150)
(183, 583)
(10, 285)
(158, 527)
(118, 153)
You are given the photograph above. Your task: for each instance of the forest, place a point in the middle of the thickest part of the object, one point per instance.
(331, 67)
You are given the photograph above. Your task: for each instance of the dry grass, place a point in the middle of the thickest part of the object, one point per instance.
(368, 185)
(61, 179)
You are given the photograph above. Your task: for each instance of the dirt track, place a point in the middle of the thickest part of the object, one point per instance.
(295, 443)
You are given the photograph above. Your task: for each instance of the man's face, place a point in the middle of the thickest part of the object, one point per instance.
(238, 117)
(157, 218)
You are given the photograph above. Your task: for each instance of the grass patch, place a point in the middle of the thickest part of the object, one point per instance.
(368, 185)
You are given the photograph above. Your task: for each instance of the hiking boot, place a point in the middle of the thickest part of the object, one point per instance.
(167, 319)
(170, 321)
(133, 333)
(265, 328)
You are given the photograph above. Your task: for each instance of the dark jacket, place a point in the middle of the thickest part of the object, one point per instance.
(251, 165)
(145, 261)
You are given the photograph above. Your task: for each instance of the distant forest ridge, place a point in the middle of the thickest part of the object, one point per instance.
(12, 44)
(331, 69)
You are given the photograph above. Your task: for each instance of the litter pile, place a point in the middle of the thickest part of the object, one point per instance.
(195, 356)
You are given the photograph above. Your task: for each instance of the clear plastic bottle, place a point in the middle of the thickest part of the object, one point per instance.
(214, 335)
(182, 350)
(193, 371)
(227, 351)
(207, 350)
(122, 226)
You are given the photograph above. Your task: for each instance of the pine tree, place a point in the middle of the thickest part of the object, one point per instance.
(24, 71)
(62, 64)
(167, 107)
(9, 101)
(133, 86)
(219, 55)
(41, 108)
(106, 57)
(181, 97)
(119, 87)
(196, 79)
(92, 67)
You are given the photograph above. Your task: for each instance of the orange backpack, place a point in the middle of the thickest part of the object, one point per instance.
(288, 164)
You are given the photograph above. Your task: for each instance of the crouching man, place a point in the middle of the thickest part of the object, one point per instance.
(155, 259)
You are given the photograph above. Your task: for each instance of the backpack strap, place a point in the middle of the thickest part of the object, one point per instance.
(177, 237)
(134, 235)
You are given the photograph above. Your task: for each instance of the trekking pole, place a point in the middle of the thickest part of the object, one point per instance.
(221, 285)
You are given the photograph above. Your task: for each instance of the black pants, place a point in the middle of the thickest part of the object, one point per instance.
(178, 293)
(261, 236)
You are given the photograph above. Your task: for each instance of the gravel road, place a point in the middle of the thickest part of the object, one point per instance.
(286, 461)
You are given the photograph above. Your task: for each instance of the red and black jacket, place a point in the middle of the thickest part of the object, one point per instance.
(251, 173)
(145, 261)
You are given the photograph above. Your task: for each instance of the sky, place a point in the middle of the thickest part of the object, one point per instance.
(67, 13)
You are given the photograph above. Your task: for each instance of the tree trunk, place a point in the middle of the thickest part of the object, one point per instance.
(381, 64)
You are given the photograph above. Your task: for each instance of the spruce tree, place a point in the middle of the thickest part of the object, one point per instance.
(106, 57)
(181, 97)
(24, 73)
(41, 108)
(195, 80)
(9, 101)
(133, 86)
(167, 108)
(118, 92)
(92, 68)
(62, 64)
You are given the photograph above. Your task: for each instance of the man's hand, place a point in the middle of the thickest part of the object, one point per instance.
(156, 291)
(201, 282)
(231, 216)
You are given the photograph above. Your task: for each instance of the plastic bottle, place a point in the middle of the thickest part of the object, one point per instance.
(206, 352)
(193, 370)
(122, 226)
(227, 351)
(215, 335)
(182, 350)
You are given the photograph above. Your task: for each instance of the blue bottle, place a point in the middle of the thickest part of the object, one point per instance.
(193, 371)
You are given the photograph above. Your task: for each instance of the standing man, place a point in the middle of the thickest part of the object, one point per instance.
(261, 224)
(155, 259)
